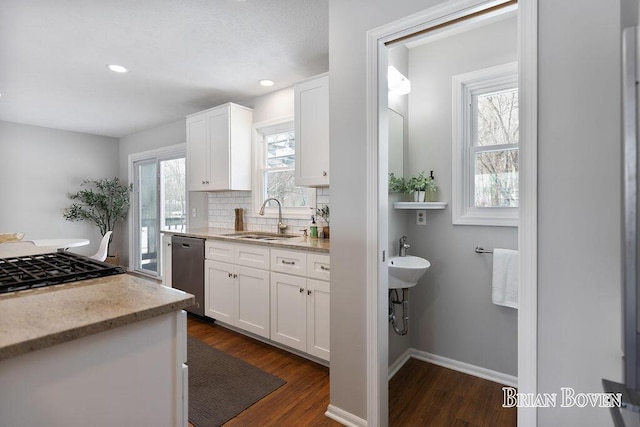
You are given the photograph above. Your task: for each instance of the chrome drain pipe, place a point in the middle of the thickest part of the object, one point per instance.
(404, 302)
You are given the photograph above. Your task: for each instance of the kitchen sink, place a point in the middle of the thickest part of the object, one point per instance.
(259, 235)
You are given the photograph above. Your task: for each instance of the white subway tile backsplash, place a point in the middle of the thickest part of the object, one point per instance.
(222, 204)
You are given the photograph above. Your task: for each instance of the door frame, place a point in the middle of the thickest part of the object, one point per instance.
(377, 195)
(171, 151)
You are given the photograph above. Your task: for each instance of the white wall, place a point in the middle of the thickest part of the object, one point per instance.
(451, 310)
(39, 167)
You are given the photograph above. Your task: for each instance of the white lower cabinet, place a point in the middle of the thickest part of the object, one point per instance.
(300, 313)
(299, 304)
(272, 293)
(289, 310)
(234, 293)
(238, 296)
(318, 297)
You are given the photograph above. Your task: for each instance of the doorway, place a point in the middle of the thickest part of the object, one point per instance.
(159, 203)
(378, 42)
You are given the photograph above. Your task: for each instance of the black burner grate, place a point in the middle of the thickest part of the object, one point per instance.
(33, 271)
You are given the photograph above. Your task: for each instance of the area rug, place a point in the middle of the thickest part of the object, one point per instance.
(221, 386)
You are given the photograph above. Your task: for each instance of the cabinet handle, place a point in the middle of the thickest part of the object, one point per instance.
(203, 182)
(301, 290)
(309, 292)
(235, 276)
(230, 275)
(324, 173)
(322, 267)
(207, 182)
(289, 262)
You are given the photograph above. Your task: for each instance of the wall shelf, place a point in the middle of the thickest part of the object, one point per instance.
(420, 205)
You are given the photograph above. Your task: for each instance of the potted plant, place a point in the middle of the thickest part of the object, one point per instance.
(419, 185)
(323, 212)
(104, 203)
(397, 184)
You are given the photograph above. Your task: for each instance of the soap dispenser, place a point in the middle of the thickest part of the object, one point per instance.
(313, 227)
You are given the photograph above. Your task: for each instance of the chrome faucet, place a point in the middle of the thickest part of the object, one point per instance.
(281, 226)
(404, 246)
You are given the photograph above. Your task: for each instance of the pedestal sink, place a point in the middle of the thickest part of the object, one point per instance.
(405, 271)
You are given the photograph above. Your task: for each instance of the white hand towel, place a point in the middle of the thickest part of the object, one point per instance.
(505, 278)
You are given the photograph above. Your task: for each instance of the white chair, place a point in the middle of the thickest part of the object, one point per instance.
(101, 255)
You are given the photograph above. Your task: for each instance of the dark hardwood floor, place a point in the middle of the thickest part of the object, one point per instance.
(420, 394)
(423, 394)
(302, 401)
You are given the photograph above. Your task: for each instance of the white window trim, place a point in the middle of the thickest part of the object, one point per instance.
(271, 211)
(464, 85)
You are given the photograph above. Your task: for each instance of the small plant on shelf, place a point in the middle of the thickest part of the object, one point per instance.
(397, 184)
(323, 213)
(421, 182)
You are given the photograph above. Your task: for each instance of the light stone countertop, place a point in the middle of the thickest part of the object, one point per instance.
(296, 243)
(34, 319)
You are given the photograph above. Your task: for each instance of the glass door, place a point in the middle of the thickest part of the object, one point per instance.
(159, 204)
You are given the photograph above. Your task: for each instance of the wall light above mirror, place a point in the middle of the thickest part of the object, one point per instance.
(397, 82)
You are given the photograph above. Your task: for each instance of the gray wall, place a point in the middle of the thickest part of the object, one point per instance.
(451, 310)
(579, 203)
(39, 167)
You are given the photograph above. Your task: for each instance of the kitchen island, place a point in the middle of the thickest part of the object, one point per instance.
(100, 352)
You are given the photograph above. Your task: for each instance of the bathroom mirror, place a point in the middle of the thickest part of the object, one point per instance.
(396, 143)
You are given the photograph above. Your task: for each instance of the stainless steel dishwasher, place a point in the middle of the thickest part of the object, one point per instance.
(187, 259)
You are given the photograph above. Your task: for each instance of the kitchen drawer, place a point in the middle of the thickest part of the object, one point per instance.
(290, 262)
(252, 256)
(318, 267)
(217, 250)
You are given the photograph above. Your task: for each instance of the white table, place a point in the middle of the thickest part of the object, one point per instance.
(38, 246)
(60, 243)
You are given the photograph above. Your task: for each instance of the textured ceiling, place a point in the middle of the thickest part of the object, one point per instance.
(184, 56)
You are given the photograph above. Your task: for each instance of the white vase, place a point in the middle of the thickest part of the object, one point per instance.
(418, 196)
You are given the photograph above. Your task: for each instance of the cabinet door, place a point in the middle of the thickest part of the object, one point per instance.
(288, 310)
(318, 266)
(290, 262)
(166, 260)
(219, 140)
(252, 300)
(197, 153)
(218, 291)
(318, 298)
(217, 250)
(252, 256)
(312, 132)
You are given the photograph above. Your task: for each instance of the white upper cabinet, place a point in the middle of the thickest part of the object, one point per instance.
(312, 132)
(219, 148)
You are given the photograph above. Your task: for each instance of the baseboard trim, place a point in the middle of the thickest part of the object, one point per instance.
(344, 417)
(456, 365)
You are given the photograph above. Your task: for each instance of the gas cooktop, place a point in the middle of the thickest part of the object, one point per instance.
(34, 271)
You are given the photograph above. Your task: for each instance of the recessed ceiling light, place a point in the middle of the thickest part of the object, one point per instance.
(117, 68)
(266, 82)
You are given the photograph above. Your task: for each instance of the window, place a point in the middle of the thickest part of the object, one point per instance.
(485, 147)
(275, 159)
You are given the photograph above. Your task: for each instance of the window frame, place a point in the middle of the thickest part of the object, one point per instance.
(259, 162)
(465, 86)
